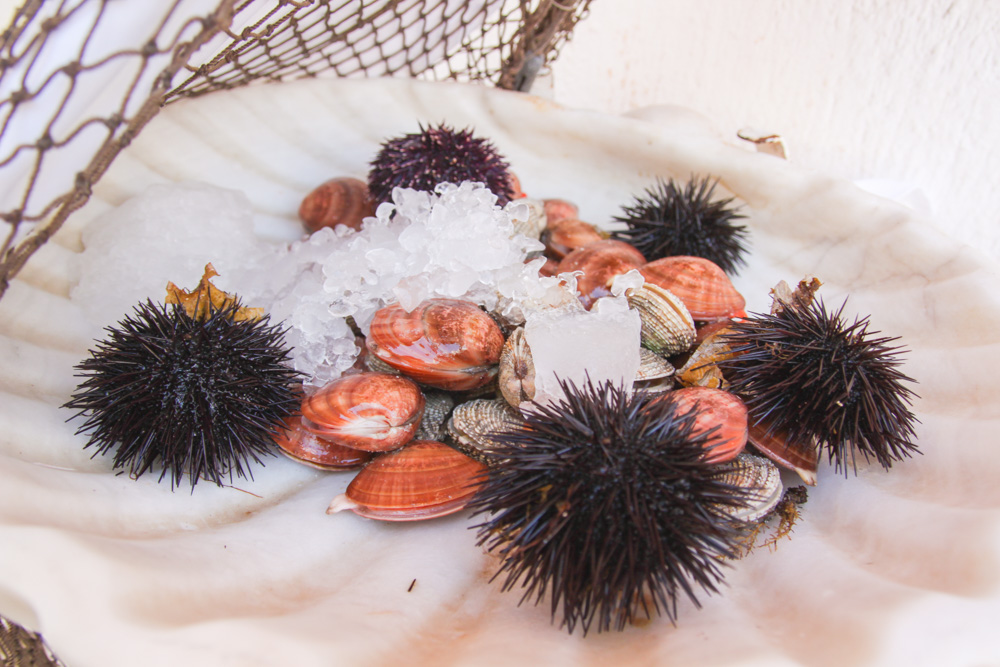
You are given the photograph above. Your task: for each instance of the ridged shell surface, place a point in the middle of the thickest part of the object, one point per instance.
(667, 326)
(704, 288)
(339, 201)
(473, 423)
(444, 343)
(762, 481)
(516, 377)
(714, 409)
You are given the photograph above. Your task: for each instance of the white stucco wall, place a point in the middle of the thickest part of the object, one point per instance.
(907, 91)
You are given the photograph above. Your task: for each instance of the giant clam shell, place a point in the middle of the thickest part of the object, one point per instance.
(444, 343)
(116, 571)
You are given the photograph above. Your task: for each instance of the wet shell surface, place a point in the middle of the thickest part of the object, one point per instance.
(761, 478)
(803, 458)
(444, 343)
(424, 480)
(375, 412)
(305, 447)
(715, 409)
(473, 423)
(703, 287)
(339, 201)
(564, 235)
(667, 326)
(600, 262)
(437, 409)
(516, 377)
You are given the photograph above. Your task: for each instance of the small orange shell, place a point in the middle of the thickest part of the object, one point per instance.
(600, 262)
(700, 283)
(424, 480)
(305, 447)
(803, 458)
(563, 236)
(339, 201)
(375, 412)
(444, 343)
(714, 408)
(560, 209)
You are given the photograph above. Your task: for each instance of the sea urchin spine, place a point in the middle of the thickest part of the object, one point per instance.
(604, 501)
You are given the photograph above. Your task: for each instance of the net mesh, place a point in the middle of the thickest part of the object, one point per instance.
(80, 79)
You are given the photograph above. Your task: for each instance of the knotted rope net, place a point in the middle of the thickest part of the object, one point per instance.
(80, 79)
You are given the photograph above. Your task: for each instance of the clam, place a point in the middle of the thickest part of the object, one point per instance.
(339, 201)
(761, 481)
(600, 262)
(305, 447)
(701, 284)
(560, 209)
(424, 480)
(374, 412)
(444, 343)
(472, 425)
(667, 326)
(516, 377)
(803, 458)
(565, 235)
(700, 369)
(655, 374)
(718, 411)
(438, 407)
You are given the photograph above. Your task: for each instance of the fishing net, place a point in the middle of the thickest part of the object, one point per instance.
(80, 79)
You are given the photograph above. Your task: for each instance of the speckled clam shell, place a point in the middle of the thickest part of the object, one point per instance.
(802, 457)
(300, 445)
(424, 480)
(444, 343)
(714, 409)
(339, 201)
(437, 409)
(702, 285)
(653, 366)
(762, 481)
(600, 262)
(667, 326)
(564, 235)
(375, 412)
(472, 424)
(516, 377)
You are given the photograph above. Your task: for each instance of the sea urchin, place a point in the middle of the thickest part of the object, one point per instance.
(201, 395)
(684, 220)
(604, 501)
(437, 155)
(805, 373)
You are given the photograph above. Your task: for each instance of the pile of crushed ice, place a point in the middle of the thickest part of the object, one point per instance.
(455, 242)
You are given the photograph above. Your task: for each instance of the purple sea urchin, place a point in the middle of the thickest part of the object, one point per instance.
(203, 396)
(604, 501)
(437, 155)
(684, 220)
(808, 374)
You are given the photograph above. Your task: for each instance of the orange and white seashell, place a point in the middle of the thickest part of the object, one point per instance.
(714, 409)
(560, 209)
(563, 236)
(424, 480)
(802, 457)
(700, 283)
(600, 262)
(667, 327)
(305, 447)
(444, 343)
(339, 201)
(375, 412)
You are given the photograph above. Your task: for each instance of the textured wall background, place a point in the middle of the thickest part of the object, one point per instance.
(907, 91)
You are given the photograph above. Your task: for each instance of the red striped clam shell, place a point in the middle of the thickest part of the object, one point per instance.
(600, 262)
(305, 447)
(700, 283)
(339, 201)
(714, 408)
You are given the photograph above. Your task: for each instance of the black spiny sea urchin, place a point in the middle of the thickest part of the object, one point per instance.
(684, 220)
(807, 373)
(436, 155)
(200, 395)
(604, 501)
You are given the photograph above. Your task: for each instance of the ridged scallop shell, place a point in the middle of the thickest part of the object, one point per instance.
(600, 262)
(375, 412)
(667, 326)
(760, 478)
(308, 448)
(516, 377)
(655, 374)
(472, 423)
(424, 480)
(703, 287)
(714, 409)
(437, 409)
(560, 209)
(339, 201)
(444, 343)
(563, 236)
(803, 458)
